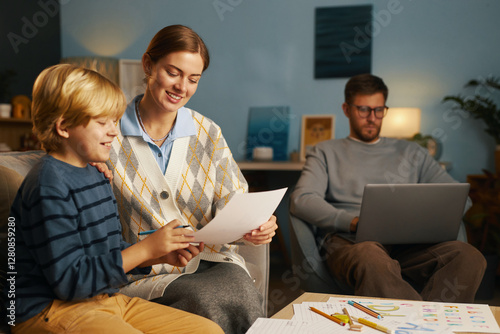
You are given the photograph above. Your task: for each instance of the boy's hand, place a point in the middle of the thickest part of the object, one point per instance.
(103, 168)
(165, 244)
(168, 239)
(181, 257)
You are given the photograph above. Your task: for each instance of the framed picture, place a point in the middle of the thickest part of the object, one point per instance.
(343, 41)
(315, 129)
(269, 127)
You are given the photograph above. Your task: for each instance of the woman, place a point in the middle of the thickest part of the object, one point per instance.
(170, 162)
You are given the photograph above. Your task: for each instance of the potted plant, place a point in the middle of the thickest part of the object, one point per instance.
(481, 105)
(6, 78)
(428, 142)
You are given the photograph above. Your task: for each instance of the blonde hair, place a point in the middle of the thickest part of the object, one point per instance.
(74, 94)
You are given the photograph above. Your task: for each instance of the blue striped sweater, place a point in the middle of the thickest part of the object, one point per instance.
(68, 237)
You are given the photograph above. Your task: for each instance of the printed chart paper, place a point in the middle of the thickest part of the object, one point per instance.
(430, 315)
(402, 317)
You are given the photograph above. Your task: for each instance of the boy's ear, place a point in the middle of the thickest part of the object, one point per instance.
(61, 128)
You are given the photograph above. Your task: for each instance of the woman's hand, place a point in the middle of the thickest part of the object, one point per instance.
(264, 234)
(103, 168)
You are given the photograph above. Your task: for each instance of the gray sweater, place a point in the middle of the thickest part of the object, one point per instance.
(329, 191)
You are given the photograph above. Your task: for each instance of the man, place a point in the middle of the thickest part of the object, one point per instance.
(329, 192)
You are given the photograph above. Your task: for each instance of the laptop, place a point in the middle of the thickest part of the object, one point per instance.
(411, 213)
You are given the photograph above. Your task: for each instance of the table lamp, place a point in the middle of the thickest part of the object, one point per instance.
(401, 123)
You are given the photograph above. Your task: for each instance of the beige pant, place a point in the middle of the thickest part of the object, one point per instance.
(116, 314)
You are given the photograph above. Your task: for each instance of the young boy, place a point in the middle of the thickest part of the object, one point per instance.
(70, 254)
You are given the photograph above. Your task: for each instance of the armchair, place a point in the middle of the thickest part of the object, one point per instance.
(307, 263)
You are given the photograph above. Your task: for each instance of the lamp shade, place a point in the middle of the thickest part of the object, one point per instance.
(401, 123)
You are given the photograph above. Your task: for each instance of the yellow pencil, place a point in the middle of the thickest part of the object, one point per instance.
(373, 325)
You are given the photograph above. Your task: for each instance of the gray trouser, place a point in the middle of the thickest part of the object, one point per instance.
(450, 271)
(222, 292)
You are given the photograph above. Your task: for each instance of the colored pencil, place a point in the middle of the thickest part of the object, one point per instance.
(153, 231)
(147, 232)
(373, 325)
(364, 309)
(337, 320)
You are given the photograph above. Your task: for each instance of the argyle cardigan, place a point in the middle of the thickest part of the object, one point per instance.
(200, 179)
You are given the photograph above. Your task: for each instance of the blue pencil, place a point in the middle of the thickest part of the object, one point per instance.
(153, 231)
(147, 232)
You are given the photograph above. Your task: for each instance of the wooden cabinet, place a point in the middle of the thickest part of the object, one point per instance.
(17, 133)
(483, 218)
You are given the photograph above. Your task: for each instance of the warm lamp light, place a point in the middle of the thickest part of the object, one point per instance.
(401, 123)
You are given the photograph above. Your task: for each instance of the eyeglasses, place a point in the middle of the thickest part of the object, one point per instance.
(365, 111)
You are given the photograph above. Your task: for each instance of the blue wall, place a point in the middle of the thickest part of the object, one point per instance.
(262, 55)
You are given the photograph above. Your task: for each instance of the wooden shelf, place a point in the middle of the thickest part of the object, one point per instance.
(15, 120)
(13, 129)
(270, 165)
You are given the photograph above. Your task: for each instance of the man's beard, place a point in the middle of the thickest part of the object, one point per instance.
(363, 136)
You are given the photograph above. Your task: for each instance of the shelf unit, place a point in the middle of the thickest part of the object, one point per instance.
(270, 165)
(12, 130)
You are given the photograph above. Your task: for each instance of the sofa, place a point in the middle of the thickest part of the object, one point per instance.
(15, 165)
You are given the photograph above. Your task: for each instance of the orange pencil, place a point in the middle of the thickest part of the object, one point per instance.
(337, 320)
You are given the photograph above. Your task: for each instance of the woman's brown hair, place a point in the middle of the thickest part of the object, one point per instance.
(176, 38)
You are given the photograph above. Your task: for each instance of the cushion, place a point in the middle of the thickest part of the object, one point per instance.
(21, 162)
(10, 181)
(13, 168)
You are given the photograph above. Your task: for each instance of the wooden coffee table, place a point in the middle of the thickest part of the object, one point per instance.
(287, 311)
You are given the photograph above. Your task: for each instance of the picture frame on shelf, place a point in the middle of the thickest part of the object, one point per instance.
(131, 77)
(315, 129)
(268, 128)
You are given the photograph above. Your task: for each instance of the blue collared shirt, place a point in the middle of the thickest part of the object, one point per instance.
(183, 127)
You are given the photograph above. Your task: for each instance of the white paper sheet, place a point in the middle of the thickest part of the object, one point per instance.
(278, 326)
(243, 213)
